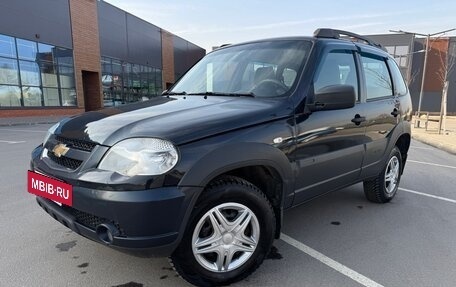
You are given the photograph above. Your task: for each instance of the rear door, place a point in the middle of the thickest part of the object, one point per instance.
(382, 109)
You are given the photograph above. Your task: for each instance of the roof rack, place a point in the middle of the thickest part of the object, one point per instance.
(336, 34)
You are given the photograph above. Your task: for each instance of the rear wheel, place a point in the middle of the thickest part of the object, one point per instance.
(228, 236)
(384, 187)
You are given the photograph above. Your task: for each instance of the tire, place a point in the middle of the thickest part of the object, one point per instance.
(384, 187)
(238, 201)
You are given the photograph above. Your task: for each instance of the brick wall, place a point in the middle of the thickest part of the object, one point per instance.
(86, 47)
(435, 65)
(167, 58)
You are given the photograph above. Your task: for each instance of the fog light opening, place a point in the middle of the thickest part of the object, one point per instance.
(106, 232)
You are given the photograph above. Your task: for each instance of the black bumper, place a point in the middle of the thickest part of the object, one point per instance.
(150, 222)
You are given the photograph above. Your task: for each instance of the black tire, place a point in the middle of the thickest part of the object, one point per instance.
(233, 190)
(377, 189)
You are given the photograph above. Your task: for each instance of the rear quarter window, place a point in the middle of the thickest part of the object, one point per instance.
(400, 88)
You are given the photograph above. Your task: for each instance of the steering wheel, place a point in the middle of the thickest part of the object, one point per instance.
(269, 88)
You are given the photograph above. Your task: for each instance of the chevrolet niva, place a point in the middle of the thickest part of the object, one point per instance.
(204, 173)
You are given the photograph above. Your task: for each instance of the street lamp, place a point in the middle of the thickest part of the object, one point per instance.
(428, 38)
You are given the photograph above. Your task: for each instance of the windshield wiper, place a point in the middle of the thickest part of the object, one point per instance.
(174, 93)
(252, 95)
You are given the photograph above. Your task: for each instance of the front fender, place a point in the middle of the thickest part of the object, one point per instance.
(236, 155)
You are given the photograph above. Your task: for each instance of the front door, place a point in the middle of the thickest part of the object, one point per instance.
(330, 144)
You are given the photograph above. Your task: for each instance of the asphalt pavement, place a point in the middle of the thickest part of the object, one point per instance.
(339, 239)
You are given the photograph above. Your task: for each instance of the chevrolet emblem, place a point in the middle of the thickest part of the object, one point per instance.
(60, 150)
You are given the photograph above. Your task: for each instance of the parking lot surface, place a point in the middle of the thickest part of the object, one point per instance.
(339, 239)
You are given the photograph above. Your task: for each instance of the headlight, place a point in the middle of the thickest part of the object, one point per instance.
(140, 156)
(50, 131)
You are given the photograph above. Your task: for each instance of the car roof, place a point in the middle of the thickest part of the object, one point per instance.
(364, 44)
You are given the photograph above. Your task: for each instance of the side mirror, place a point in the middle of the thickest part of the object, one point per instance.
(334, 97)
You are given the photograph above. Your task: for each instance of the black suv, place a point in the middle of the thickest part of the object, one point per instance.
(203, 173)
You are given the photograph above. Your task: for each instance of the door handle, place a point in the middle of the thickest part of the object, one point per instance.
(357, 120)
(395, 112)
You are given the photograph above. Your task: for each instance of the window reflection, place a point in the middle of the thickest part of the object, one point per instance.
(68, 97)
(45, 72)
(31, 96)
(26, 49)
(30, 75)
(127, 82)
(8, 72)
(48, 74)
(51, 97)
(10, 96)
(66, 75)
(7, 47)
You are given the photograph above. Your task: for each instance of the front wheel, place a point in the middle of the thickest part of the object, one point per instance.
(230, 232)
(384, 187)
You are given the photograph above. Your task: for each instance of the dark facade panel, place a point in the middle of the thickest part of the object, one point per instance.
(416, 74)
(431, 99)
(144, 42)
(195, 53)
(180, 57)
(186, 55)
(451, 99)
(25, 19)
(392, 39)
(112, 23)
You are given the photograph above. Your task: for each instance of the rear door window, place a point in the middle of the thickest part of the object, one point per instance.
(378, 80)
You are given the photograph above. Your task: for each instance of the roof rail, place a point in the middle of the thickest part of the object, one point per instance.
(336, 34)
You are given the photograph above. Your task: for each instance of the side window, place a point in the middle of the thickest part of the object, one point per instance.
(337, 68)
(400, 88)
(378, 80)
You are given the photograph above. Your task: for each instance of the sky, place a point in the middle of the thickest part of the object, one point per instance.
(209, 23)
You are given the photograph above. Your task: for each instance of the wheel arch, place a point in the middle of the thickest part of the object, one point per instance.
(403, 144)
(263, 165)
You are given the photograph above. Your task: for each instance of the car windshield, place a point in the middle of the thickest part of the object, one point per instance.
(263, 69)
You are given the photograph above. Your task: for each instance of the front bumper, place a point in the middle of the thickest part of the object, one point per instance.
(150, 222)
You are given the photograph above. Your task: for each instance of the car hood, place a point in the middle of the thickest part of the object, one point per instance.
(180, 119)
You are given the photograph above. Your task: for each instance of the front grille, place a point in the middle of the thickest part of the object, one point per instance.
(91, 221)
(77, 144)
(65, 161)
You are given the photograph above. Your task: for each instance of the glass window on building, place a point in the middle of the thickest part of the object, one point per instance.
(66, 76)
(46, 53)
(10, 96)
(158, 82)
(31, 96)
(49, 74)
(30, 73)
(7, 47)
(36, 75)
(68, 97)
(51, 97)
(390, 49)
(125, 82)
(9, 72)
(399, 53)
(26, 50)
